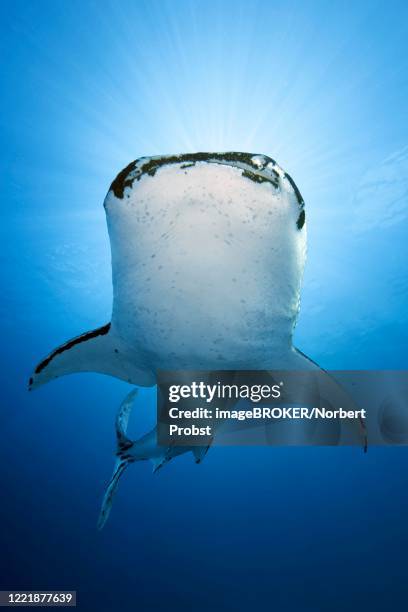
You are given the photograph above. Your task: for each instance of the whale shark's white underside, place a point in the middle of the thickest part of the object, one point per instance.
(208, 251)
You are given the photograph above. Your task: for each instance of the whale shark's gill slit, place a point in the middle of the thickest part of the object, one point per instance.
(100, 331)
(301, 220)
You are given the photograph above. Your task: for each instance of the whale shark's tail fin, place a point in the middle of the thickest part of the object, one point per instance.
(145, 448)
(123, 457)
(96, 351)
(128, 452)
(118, 470)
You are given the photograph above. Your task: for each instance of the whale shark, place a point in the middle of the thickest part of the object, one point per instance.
(208, 252)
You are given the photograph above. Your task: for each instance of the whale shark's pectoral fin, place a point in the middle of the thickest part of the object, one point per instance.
(95, 351)
(334, 396)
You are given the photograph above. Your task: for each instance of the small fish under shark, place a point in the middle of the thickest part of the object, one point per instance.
(208, 252)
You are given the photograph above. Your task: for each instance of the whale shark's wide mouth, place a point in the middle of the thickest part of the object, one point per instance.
(256, 167)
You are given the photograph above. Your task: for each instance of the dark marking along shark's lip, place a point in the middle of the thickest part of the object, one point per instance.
(252, 164)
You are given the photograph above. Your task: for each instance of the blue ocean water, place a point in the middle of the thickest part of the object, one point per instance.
(89, 86)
